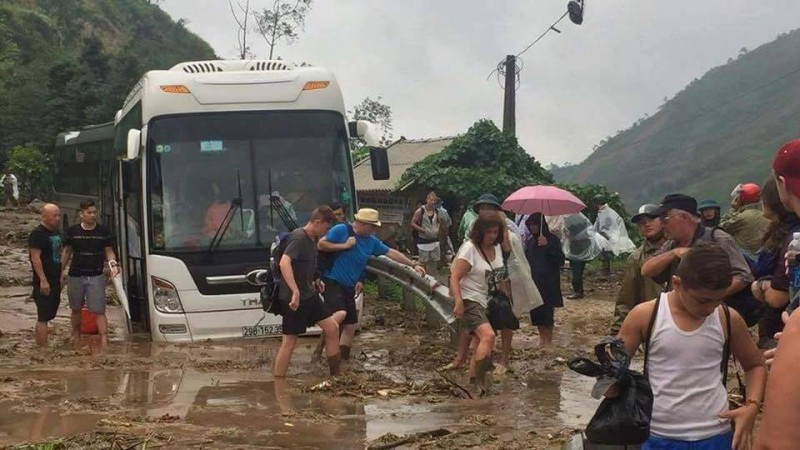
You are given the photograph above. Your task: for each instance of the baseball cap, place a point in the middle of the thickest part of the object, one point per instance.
(678, 201)
(649, 210)
(787, 165)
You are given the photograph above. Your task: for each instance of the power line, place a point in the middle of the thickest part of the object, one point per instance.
(549, 29)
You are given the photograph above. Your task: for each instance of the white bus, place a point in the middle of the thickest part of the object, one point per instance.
(84, 167)
(213, 160)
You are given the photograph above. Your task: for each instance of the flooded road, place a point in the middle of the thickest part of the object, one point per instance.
(139, 394)
(223, 394)
(251, 408)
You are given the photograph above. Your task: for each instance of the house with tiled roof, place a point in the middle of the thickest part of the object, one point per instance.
(394, 200)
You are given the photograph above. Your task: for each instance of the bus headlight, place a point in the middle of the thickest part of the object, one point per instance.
(165, 297)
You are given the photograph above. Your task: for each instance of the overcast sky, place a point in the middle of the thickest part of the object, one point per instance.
(429, 59)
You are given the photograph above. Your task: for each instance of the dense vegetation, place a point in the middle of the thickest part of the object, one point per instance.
(69, 63)
(721, 130)
(484, 159)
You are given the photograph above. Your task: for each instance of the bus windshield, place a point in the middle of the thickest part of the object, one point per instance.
(279, 164)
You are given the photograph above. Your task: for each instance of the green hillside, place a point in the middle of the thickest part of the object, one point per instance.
(720, 130)
(67, 63)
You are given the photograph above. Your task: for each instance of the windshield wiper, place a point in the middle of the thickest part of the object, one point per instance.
(236, 203)
(276, 204)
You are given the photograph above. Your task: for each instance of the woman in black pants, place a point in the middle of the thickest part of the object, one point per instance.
(544, 255)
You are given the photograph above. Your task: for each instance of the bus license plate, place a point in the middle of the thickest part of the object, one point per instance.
(261, 330)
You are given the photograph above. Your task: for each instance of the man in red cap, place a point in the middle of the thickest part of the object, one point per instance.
(779, 428)
(745, 221)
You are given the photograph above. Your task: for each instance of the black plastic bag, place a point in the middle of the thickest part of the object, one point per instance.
(624, 419)
(500, 313)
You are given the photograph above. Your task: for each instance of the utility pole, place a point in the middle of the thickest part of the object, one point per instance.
(509, 104)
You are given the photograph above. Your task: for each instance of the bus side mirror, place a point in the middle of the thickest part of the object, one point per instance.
(134, 143)
(379, 160)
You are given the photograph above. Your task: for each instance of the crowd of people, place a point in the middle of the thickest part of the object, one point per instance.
(690, 292)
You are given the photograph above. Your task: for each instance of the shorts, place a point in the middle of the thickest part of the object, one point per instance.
(310, 312)
(543, 316)
(722, 441)
(88, 290)
(426, 256)
(47, 305)
(341, 298)
(474, 315)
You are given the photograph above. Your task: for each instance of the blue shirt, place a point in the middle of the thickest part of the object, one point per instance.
(349, 266)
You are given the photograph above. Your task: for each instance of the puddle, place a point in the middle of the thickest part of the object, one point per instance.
(250, 408)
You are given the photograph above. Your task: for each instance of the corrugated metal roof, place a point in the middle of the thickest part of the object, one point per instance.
(402, 155)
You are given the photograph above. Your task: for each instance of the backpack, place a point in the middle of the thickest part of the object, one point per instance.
(270, 292)
(415, 233)
(325, 260)
(726, 347)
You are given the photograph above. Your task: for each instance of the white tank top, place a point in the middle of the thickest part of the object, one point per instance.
(683, 368)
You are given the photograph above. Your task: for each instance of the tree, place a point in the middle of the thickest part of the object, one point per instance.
(379, 114)
(483, 160)
(282, 21)
(242, 31)
(31, 168)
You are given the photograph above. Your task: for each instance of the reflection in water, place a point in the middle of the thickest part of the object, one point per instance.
(248, 407)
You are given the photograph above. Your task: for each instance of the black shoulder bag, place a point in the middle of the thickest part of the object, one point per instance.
(499, 311)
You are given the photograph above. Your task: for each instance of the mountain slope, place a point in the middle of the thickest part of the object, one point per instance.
(67, 63)
(720, 130)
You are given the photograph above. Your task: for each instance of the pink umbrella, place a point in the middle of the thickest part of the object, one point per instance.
(548, 200)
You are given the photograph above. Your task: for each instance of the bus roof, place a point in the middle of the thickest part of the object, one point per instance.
(92, 133)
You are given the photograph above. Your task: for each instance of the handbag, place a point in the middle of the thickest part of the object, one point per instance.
(499, 310)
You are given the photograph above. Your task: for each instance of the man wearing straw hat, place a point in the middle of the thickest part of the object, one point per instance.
(343, 280)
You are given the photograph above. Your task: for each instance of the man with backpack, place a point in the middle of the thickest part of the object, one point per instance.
(427, 225)
(688, 335)
(300, 288)
(684, 230)
(352, 246)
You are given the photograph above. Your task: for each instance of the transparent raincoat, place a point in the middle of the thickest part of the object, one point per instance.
(611, 226)
(524, 293)
(580, 242)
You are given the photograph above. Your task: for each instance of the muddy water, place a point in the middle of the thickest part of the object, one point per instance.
(248, 407)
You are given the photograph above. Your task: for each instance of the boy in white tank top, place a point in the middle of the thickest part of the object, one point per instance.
(687, 338)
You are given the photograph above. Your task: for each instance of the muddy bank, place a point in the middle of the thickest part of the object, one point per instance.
(138, 394)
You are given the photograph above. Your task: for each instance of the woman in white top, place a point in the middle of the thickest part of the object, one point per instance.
(477, 270)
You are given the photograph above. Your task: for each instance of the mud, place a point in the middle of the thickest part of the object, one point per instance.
(138, 394)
